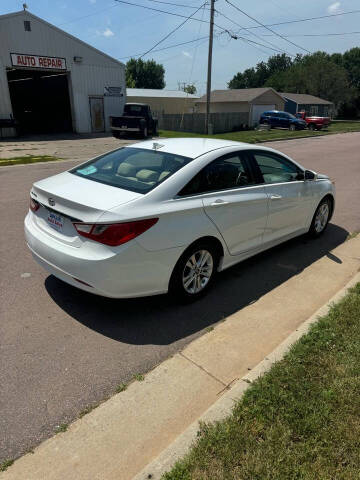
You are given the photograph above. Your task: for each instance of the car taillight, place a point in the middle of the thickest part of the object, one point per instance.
(34, 205)
(116, 233)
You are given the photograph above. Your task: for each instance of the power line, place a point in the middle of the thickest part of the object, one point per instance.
(171, 13)
(303, 20)
(172, 31)
(242, 28)
(86, 16)
(316, 34)
(158, 10)
(267, 28)
(254, 34)
(167, 48)
(173, 4)
(252, 42)
(261, 44)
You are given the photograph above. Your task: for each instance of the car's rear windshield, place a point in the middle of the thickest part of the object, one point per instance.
(135, 169)
(134, 110)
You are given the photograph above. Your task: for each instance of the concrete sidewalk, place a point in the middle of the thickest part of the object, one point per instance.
(119, 438)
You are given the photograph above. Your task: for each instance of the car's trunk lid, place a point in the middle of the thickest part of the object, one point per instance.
(66, 198)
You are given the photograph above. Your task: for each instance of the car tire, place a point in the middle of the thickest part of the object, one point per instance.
(194, 273)
(312, 127)
(292, 127)
(321, 218)
(116, 135)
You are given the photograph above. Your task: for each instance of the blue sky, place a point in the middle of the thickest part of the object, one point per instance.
(121, 30)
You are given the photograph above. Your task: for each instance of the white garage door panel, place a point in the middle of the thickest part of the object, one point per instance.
(258, 110)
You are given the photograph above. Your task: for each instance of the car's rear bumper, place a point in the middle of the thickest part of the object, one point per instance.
(122, 272)
(126, 129)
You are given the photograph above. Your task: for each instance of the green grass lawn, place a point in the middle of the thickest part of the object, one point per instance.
(27, 159)
(299, 421)
(254, 136)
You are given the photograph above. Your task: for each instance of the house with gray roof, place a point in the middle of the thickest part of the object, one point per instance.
(253, 101)
(313, 106)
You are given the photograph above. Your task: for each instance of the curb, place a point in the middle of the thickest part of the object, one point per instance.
(299, 138)
(223, 407)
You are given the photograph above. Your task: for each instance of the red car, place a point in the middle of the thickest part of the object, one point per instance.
(314, 123)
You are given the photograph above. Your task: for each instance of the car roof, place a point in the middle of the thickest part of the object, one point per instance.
(189, 147)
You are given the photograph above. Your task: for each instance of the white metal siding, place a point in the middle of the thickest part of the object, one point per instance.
(87, 78)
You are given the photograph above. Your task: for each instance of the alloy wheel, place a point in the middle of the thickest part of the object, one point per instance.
(321, 217)
(197, 271)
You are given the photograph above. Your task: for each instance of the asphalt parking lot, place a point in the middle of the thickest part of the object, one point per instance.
(62, 349)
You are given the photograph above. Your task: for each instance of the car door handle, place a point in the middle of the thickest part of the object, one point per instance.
(275, 197)
(218, 203)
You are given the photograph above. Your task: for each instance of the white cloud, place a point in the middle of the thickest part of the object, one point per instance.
(186, 54)
(108, 33)
(334, 8)
(92, 1)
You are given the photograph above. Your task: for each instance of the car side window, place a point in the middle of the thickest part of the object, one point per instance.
(230, 171)
(276, 169)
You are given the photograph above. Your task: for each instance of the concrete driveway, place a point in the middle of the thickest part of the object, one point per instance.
(67, 146)
(63, 350)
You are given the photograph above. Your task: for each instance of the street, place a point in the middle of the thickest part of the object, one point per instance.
(63, 350)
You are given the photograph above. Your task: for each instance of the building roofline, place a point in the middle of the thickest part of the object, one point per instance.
(268, 88)
(322, 100)
(264, 90)
(26, 12)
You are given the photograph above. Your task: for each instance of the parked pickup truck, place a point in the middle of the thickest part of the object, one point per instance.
(137, 118)
(314, 123)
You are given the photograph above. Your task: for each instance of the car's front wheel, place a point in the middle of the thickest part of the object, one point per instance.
(292, 127)
(194, 272)
(321, 218)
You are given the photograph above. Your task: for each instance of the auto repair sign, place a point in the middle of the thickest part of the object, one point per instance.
(37, 61)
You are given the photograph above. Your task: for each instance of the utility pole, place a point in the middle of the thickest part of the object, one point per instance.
(208, 87)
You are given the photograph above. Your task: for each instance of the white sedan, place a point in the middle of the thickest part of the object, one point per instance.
(167, 216)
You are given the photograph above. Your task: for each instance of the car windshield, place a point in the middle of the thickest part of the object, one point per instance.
(135, 169)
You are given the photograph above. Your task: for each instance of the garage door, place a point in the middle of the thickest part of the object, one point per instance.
(40, 100)
(258, 110)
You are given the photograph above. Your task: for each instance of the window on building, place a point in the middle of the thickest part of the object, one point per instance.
(27, 25)
(314, 110)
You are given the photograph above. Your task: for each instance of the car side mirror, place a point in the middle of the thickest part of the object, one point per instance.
(310, 175)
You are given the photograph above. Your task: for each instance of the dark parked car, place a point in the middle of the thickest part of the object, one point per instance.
(277, 119)
(137, 118)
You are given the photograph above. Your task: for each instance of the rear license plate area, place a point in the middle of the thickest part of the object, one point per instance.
(55, 221)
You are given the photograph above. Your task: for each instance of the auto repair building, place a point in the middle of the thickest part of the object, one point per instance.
(52, 82)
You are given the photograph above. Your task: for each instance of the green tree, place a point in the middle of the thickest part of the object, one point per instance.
(317, 75)
(257, 77)
(144, 74)
(248, 79)
(191, 89)
(351, 62)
